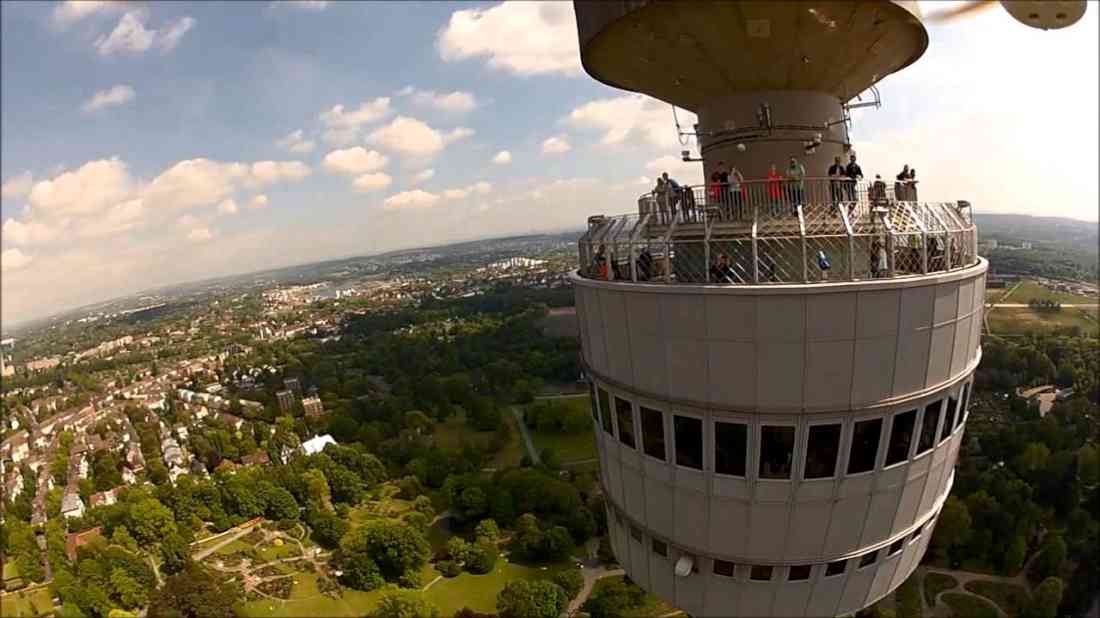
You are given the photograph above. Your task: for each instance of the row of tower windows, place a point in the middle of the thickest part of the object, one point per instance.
(800, 572)
(777, 442)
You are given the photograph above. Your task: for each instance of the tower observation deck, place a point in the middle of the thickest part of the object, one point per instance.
(779, 381)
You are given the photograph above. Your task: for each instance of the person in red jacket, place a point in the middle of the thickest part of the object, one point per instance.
(775, 188)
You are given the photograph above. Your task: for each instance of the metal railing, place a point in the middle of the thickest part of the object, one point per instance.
(816, 230)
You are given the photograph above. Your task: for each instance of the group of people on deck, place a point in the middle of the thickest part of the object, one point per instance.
(732, 194)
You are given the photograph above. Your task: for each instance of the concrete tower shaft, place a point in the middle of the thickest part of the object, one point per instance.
(723, 60)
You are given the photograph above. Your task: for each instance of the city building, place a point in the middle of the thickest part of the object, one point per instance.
(286, 401)
(313, 406)
(779, 380)
(293, 385)
(71, 504)
(316, 444)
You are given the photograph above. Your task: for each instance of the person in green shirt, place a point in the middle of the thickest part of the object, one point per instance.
(796, 174)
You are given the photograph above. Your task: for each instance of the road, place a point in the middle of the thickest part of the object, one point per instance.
(1024, 306)
(518, 415)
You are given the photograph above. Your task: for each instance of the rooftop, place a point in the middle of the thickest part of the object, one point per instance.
(840, 232)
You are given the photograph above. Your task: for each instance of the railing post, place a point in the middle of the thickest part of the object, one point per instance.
(802, 238)
(755, 250)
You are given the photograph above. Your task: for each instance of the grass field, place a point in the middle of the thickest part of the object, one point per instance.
(966, 606)
(1011, 598)
(935, 583)
(235, 547)
(1022, 320)
(454, 433)
(271, 552)
(37, 602)
(1031, 290)
(478, 592)
(570, 447)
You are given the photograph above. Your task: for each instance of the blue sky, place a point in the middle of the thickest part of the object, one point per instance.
(213, 146)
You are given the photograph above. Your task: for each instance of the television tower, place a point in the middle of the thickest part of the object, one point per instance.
(780, 368)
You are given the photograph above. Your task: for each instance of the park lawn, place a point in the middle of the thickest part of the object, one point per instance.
(306, 601)
(967, 606)
(1023, 320)
(570, 447)
(37, 602)
(478, 592)
(1010, 597)
(935, 583)
(270, 552)
(1031, 290)
(236, 547)
(454, 433)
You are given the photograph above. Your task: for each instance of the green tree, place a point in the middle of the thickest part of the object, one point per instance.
(1015, 555)
(397, 548)
(571, 581)
(405, 604)
(487, 529)
(129, 591)
(612, 597)
(481, 557)
(195, 593)
(1045, 599)
(524, 598)
(361, 572)
(1088, 465)
(121, 536)
(556, 544)
(1051, 557)
(952, 528)
(150, 521)
(175, 554)
(458, 549)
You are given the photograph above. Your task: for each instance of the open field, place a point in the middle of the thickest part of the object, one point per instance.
(454, 433)
(570, 447)
(966, 606)
(1022, 320)
(1031, 290)
(478, 592)
(37, 602)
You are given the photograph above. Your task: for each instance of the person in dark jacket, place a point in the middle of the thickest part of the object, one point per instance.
(855, 174)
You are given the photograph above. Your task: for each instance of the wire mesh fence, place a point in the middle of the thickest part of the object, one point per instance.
(778, 231)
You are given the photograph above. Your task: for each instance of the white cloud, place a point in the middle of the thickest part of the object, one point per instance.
(411, 199)
(259, 201)
(202, 182)
(342, 126)
(556, 145)
(525, 38)
(631, 116)
(357, 160)
(89, 189)
(305, 5)
(115, 95)
(16, 187)
(371, 182)
(684, 172)
(479, 188)
(200, 234)
(458, 102)
(413, 137)
(643, 180)
(131, 36)
(228, 207)
(267, 172)
(28, 233)
(13, 259)
(296, 142)
(186, 221)
(71, 11)
(503, 158)
(424, 175)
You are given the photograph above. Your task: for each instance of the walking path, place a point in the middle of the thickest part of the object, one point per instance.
(964, 577)
(518, 415)
(245, 529)
(591, 575)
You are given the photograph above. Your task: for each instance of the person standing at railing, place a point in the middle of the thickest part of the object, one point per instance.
(878, 259)
(644, 265)
(855, 174)
(796, 174)
(660, 194)
(714, 189)
(837, 177)
(599, 263)
(775, 189)
(736, 180)
(901, 184)
(675, 192)
(721, 271)
(724, 185)
(912, 184)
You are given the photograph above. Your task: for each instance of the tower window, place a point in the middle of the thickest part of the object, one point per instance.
(868, 559)
(723, 568)
(901, 436)
(776, 450)
(835, 568)
(821, 451)
(965, 404)
(730, 444)
(605, 412)
(592, 398)
(761, 573)
(799, 573)
(929, 426)
(865, 437)
(660, 548)
(916, 533)
(896, 546)
(949, 420)
(689, 441)
(636, 533)
(653, 433)
(625, 413)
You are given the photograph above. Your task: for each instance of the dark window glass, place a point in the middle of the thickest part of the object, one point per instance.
(605, 412)
(625, 413)
(965, 404)
(896, 546)
(730, 443)
(901, 436)
(761, 573)
(592, 397)
(868, 559)
(636, 533)
(865, 437)
(916, 533)
(653, 433)
(949, 420)
(660, 548)
(776, 449)
(822, 447)
(689, 441)
(799, 573)
(928, 426)
(835, 568)
(721, 567)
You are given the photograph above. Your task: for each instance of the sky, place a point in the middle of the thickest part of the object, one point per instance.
(147, 144)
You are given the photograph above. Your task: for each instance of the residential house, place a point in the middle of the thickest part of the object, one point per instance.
(313, 406)
(103, 498)
(71, 504)
(76, 540)
(316, 444)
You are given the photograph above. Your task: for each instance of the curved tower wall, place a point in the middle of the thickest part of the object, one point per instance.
(760, 372)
